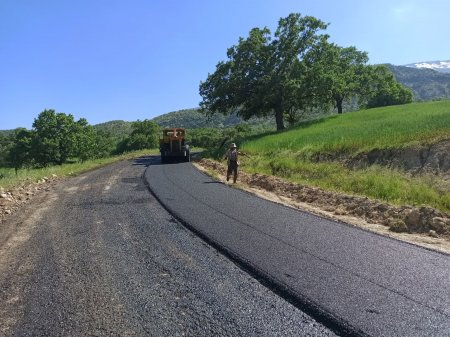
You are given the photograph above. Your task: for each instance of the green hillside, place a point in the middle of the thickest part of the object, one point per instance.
(317, 153)
(117, 128)
(194, 119)
(187, 118)
(5, 133)
(362, 131)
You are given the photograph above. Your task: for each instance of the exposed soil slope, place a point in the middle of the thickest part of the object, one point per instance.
(430, 158)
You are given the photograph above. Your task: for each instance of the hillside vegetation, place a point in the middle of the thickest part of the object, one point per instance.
(194, 119)
(362, 131)
(117, 129)
(316, 153)
(5, 133)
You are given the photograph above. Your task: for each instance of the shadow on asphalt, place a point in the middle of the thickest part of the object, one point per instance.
(155, 160)
(150, 160)
(145, 161)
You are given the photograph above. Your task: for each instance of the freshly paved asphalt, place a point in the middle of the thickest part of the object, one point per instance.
(97, 255)
(357, 281)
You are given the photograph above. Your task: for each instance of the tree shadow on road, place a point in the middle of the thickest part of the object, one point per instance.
(147, 161)
(153, 160)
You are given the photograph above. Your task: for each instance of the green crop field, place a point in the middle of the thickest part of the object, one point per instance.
(290, 154)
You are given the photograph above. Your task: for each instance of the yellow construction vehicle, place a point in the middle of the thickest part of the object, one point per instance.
(172, 145)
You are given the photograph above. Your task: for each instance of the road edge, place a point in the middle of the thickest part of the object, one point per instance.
(303, 303)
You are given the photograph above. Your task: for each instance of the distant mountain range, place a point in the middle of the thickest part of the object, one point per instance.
(440, 66)
(428, 80)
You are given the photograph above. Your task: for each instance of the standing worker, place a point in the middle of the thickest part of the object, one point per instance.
(232, 161)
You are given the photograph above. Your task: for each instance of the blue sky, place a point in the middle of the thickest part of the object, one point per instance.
(136, 59)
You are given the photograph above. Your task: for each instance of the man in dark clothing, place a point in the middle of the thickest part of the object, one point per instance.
(232, 161)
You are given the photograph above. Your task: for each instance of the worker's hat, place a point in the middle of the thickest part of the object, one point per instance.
(233, 145)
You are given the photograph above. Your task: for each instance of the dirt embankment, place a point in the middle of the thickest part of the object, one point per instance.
(12, 199)
(348, 208)
(433, 158)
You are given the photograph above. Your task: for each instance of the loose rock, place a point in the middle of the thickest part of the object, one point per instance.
(433, 234)
(439, 225)
(412, 219)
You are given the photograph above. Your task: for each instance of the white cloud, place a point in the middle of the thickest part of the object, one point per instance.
(408, 12)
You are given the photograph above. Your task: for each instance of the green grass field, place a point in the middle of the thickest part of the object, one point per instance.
(9, 179)
(364, 130)
(288, 154)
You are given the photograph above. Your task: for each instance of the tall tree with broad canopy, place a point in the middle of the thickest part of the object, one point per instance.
(55, 137)
(263, 73)
(337, 73)
(384, 89)
(5, 144)
(85, 141)
(342, 73)
(20, 153)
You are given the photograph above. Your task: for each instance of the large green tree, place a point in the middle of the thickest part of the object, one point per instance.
(85, 141)
(264, 74)
(384, 89)
(337, 73)
(6, 142)
(57, 137)
(105, 143)
(21, 152)
(54, 139)
(144, 135)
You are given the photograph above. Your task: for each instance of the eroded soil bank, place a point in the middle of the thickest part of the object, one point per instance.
(434, 158)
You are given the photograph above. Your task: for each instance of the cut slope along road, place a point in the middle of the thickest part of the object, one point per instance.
(363, 283)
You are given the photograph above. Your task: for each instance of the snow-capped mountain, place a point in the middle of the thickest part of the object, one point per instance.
(441, 66)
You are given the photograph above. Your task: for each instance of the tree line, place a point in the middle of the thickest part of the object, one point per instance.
(293, 71)
(56, 138)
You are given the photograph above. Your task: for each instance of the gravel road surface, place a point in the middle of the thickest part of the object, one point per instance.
(99, 256)
(364, 283)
